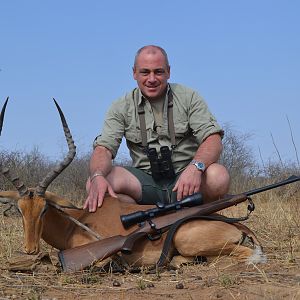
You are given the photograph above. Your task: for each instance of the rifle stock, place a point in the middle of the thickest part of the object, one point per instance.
(78, 258)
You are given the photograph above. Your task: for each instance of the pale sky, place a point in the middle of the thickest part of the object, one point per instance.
(243, 57)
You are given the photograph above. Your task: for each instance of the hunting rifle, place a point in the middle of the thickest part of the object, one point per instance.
(75, 259)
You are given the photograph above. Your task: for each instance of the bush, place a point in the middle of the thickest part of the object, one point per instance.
(237, 157)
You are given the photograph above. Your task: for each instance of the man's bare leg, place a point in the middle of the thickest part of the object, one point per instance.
(126, 198)
(215, 183)
(124, 184)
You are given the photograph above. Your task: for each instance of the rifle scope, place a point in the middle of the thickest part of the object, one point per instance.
(141, 216)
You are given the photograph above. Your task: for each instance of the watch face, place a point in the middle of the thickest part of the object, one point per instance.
(200, 166)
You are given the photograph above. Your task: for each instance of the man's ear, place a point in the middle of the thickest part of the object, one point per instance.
(169, 71)
(134, 72)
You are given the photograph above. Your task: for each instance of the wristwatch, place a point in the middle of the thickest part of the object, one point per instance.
(199, 165)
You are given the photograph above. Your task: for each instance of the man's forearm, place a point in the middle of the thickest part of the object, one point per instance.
(101, 161)
(210, 150)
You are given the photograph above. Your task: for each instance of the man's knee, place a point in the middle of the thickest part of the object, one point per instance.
(216, 181)
(217, 174)
(124, 182)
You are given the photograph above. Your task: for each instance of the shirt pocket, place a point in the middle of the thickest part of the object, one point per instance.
(182, 128)
(133, 135)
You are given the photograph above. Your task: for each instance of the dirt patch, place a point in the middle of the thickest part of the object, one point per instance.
(218, 279)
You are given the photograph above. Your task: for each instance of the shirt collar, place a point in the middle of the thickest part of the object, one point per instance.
(142, 97)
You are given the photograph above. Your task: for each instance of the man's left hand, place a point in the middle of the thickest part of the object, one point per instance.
(188, 183)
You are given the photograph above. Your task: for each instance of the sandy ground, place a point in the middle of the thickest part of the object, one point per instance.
(219, 279)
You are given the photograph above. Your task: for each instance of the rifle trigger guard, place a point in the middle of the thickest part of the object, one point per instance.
(156, 235)
(251, 205)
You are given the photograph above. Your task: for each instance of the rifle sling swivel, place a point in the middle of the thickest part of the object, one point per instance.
(157, 232)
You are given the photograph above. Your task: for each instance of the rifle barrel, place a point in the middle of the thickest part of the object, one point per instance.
(291, 179)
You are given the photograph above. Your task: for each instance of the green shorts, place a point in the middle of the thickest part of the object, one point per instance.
(154, 191)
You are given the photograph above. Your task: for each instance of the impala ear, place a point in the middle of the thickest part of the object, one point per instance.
(64, 203)
(9, 196)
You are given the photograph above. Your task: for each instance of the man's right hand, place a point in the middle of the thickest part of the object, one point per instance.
(96, 189)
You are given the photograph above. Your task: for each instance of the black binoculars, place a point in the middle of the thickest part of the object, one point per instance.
(161, 167)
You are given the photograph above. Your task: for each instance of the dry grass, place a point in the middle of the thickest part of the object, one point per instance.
(275, 221)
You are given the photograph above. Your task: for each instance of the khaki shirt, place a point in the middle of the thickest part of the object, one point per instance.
(192, 120)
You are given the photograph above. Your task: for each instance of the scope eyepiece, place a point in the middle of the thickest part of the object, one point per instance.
(133, 218)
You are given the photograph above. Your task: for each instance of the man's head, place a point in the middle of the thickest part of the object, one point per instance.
(151, 70)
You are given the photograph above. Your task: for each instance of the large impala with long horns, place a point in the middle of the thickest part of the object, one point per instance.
(62, 225)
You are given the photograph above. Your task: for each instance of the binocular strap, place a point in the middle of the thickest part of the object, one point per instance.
(141, 114)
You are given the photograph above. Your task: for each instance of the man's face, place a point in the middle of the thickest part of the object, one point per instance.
(151, 73)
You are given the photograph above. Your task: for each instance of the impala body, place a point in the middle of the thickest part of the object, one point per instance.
(52, 218)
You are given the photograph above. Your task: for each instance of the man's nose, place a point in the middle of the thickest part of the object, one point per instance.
(152, 77)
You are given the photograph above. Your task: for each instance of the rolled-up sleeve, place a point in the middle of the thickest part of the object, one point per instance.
(113, 129)
(202, 122)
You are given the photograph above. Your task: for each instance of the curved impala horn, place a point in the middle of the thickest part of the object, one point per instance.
(19, 185)
(41, 188)
(2, 114)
